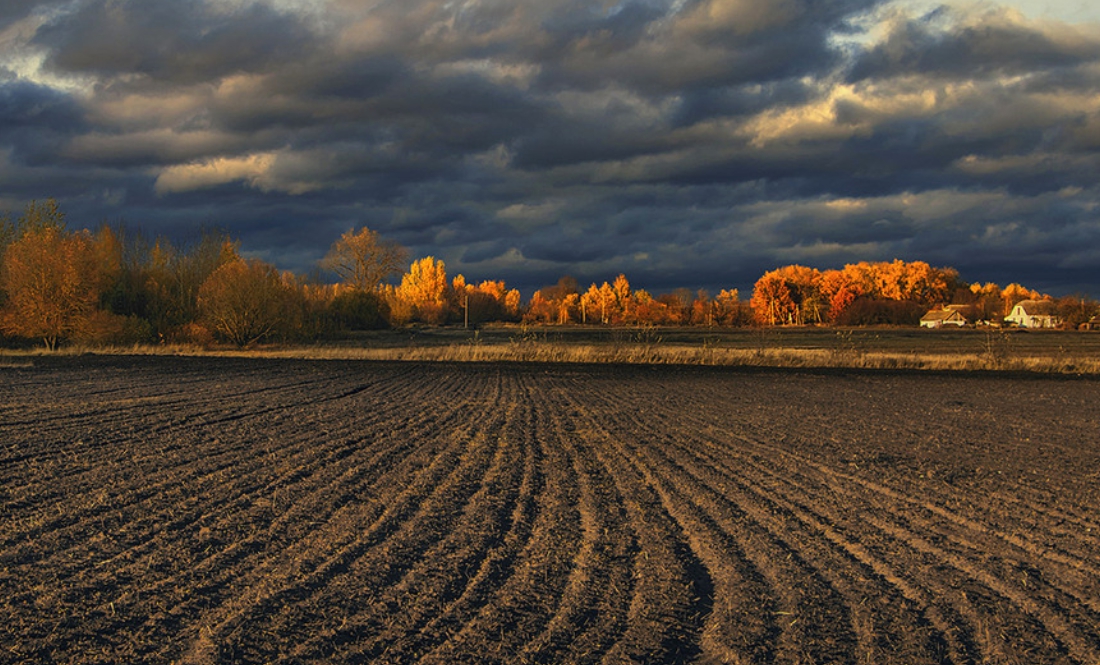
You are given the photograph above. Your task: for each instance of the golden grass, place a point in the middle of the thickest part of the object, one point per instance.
(544, 351)
(885, 349)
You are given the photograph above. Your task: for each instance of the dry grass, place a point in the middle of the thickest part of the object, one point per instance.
(773, 353)
(887, 349)
(9, 359)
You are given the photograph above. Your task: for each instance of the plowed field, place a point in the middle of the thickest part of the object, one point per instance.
(203, 510)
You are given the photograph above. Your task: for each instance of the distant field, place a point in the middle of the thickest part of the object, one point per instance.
(860, 348)
(892, 340)
(867, 348)
(210, 510)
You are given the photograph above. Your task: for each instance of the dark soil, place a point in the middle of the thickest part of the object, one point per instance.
(251, 511)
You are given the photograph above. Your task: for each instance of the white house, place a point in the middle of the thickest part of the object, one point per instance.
(1034, 314)
(947, 316)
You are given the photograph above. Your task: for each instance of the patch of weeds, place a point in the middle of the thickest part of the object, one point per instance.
(764, 340)
(997, 351)
(849, 348)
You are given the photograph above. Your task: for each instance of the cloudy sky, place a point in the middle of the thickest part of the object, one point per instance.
(692, 143)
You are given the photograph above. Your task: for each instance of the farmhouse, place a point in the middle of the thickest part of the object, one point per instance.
(945, 316)
(1034, 314)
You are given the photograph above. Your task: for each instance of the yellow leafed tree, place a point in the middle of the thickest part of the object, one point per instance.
(424, 290)
(53, 280)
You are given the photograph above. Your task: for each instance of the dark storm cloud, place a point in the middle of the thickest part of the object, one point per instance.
(705, 44)
(739, 101)
(25, 107)
(691, 143)
(996, 46)
(36, 119)
(457, 114)
(171, 40)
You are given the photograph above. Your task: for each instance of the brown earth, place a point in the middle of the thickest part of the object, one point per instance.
(227, 510)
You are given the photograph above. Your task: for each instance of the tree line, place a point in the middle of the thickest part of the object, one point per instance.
(117, 286)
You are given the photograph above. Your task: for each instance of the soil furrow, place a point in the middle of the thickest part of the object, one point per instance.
(972, 542)
(239, 510)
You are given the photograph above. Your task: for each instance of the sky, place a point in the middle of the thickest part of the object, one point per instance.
(685, 143)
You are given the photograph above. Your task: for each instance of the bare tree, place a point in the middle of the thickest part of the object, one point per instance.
(364, 259)
(244, 301)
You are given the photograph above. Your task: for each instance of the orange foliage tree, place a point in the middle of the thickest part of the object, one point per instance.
(559, 304)
(618, 303)
(840, 290)
(727, 308)
(778, 296)
(1015, 293)
(915, 281)
(487, 301)
(645, 309)
(797, 294)
(53, 280)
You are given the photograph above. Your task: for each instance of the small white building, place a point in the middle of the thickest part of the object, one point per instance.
(946, 316)
(1034, 314)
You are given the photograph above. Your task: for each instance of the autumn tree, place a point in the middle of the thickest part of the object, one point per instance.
(866, 311)
(36, 217)
(1076, 310)
(984, 299)
(7, 237)
(244, 301)
(359, 310)
(601, 302)
(560, 304)
(677, 306)
(839, 291)
(424, 291)
(309, 307)
(487, 301)
(647, 310)
(787, 295)
(172, 278)
(728, 309)
(540, 309)
(621, 287)
(364, 259)
(111, 322)
(1014, 293)
(123, 253)
(53, 281)
(565, 287)
(804, 286)
(771, 300)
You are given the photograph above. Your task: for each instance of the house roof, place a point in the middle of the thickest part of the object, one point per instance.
(1036, 307)
(942, 315)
